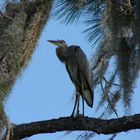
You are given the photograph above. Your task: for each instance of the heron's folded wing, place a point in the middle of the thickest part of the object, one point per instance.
(72, 77)
(86, 75)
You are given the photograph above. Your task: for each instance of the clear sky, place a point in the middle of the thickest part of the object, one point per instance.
(44, 91)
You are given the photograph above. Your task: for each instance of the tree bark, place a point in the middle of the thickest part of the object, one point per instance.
(99, 126)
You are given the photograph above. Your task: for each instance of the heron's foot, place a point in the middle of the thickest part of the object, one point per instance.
(77, 115)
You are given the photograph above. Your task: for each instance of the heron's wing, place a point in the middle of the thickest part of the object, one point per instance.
(72, 77)
(85, 74)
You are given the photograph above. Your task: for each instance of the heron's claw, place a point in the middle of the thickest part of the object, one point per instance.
(77, 115)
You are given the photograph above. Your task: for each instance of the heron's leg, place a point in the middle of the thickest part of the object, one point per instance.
(83, 106)
(78, 99)
(75, 105)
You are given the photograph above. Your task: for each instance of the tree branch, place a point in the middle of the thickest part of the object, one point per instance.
(99, 126)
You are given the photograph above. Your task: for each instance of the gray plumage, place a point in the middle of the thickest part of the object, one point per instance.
(78, 69)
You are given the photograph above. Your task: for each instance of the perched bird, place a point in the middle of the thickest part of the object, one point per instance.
(79, 71)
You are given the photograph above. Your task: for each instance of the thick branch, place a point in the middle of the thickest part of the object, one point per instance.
(80, 123)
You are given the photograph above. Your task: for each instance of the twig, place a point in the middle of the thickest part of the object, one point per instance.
(108, 99)
(98, 61)
(8, 133)
(127, 5)
(109, 82)
(5, 16)
(1, 14)
(113, 136)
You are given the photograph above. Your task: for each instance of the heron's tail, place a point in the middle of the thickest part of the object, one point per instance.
(88, 96)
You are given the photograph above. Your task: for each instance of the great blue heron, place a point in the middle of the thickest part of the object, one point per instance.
(78, 69)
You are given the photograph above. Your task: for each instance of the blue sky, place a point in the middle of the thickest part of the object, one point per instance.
(44, 91)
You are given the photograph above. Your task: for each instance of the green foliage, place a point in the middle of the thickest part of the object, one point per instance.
(89, 11)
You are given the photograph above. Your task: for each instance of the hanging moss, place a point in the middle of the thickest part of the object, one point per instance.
(20, 27)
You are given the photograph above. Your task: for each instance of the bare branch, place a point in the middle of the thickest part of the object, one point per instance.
(96, 125)
(108, 99)
(109, 82)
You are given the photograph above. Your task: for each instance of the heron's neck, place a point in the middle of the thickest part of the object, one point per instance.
(62, 53)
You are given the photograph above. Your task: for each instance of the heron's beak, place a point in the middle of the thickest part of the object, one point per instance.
(54, 42)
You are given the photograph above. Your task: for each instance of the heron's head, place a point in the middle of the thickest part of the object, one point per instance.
(59, 43)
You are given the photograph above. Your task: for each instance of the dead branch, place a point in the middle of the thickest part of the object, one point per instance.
(108, 99)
